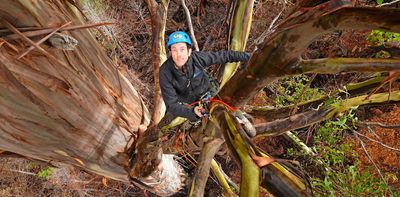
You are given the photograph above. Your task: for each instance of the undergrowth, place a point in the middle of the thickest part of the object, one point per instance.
(295, 89)
(343, 177)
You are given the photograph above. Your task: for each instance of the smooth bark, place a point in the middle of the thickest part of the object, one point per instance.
(338, 65)
(241, 14)
(305, 119)
(210, 148)
(158, 12)
(278, 56)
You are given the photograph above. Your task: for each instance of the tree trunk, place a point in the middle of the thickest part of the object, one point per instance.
(75, 107)
(158, 12)
(240, 19)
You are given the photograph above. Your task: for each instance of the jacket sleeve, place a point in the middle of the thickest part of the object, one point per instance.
(171, 100)
(220, 57)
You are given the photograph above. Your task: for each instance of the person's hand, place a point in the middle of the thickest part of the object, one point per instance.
(199, 110)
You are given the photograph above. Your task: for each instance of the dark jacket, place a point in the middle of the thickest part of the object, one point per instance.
(178, 87)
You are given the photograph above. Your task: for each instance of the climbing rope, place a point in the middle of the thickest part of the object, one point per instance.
(212, 100)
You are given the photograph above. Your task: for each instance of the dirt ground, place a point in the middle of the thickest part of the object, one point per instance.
(377, 141)
(19, 177)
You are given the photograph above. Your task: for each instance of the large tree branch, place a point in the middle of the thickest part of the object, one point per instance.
(190, 25)
(238, 32)
(280, 126)
(336, 65)
(251, 159)
(210, 148)
(223, 179)
(278, 56)
(353, 89)
(250, 171)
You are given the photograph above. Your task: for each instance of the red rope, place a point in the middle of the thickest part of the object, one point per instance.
(213, 100)
(230, 108)
(194, 103)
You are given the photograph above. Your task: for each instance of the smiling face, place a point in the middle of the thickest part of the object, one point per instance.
(180, 53)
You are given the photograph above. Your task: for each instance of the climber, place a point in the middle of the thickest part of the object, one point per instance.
(183, 79)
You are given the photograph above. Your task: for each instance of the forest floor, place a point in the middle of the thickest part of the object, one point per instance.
(376, 141)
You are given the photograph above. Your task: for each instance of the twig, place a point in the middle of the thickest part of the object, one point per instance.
(376, 141)
(49, 30)
(372, 131)
(303, 147)
(378, 124)
(23, 172)
(271, 26)
(390, 3)
(300, 99)
(42, 40)
(300, 144)
(267, 31)
(9, 44)
(190, 25)
(12, 28)
(370, 159)
(21, 29)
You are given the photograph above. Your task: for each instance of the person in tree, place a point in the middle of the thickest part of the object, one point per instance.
(183, 79)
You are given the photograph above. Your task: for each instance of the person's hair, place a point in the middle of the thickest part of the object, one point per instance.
(187, 45)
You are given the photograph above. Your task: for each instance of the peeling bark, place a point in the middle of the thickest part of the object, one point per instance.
(77, 109)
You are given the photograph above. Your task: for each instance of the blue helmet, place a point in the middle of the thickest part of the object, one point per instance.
(179, 36)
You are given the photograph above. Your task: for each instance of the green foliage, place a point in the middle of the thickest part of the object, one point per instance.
(382, 54)
(45, 172)
(290, 152)
(379, 2)
(348, 181)
(32, 165)
(290, 90)
(343, 178)
(329, 140)
(379, 38)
